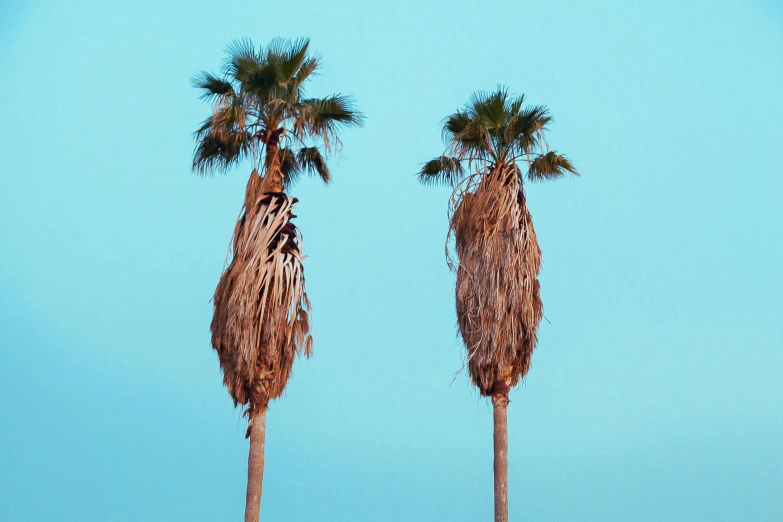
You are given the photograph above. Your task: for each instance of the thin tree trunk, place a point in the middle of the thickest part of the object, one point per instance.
(255, 465)
(273, 177)
(500, 439)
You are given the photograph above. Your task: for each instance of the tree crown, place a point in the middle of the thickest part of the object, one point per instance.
(492, 130)
(259, 102)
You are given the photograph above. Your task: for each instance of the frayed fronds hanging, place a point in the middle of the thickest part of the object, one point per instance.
(497, 265)
(261, 317)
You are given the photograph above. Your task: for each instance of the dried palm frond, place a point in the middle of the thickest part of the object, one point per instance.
(497, 292)
(261, 318)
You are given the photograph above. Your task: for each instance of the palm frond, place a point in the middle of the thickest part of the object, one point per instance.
(336, 109)
(277, 49)
(262, 82)
(289, 165)
(549, 166)
(216, 152)
(279, 76)
(526, 126)
(308, 67)
(222, 139)
(491, 107)
(230, 116)
(455, 124)
(516, 104)
(293, 55)
(443, 170)
(474, 141)
(212, 87)
(241, 59)
(322, 117)
(313, 162)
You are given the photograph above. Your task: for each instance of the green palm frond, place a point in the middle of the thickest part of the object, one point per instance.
(550, 166)
(212, 87)
(516, 104)
(230, 116)
(240, 58)
(313, 162)
(289, 165)
(308, 67)
(323, 117)
(335, 109)
(475, 140)
(443, 170)
(222, 139)
(218, 153)
(293, 55)
(491, 107)
(262, 82)
(455, 124)
(526, 126)
(278, 49)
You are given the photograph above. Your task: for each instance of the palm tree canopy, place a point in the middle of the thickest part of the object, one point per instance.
(496, 129)
(260, 105)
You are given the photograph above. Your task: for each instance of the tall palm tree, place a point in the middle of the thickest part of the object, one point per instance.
(493, 143)
(261, 318)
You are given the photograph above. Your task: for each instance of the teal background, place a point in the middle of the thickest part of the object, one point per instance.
(655, 393)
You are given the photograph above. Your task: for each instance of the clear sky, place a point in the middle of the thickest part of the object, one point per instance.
(656, 391)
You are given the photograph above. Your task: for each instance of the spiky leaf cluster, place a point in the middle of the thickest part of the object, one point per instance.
(260, 102)
(496, 129)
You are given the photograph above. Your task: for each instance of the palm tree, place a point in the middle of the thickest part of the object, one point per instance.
(261, 318)
(493, 143)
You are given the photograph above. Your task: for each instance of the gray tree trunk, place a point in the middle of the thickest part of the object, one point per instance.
(255, 466)
(500, 439)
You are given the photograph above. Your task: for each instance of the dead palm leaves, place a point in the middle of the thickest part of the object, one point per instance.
(261, 319)
(497, 291)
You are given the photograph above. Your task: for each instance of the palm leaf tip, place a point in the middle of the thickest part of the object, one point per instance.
(312, 161)
(211, 86)
(443, 170)
(338, 108)
(289, 165)
(215, 152)
(550, 166)
(293, 55)
(241, 59)
(455, 124)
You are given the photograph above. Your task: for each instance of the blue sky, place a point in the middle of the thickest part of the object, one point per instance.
(655, 393)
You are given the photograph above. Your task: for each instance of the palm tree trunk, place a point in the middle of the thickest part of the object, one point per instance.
(255, 465)
(273, 177)
(252, 190)
(500, 439)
